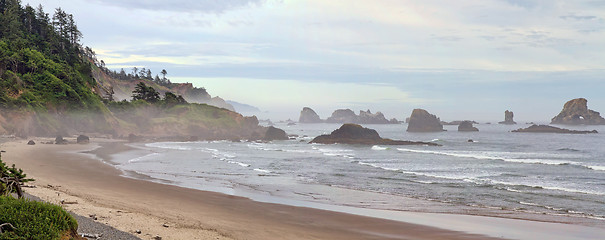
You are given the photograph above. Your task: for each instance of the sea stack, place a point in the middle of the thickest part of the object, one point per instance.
(423, 121)
(343, 116)
(508, 118)
(576, 112)
(367, 117)
(307, 115)
(467, 126)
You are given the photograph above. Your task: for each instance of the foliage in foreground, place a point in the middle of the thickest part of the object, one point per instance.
(11, 179)
(33, 220)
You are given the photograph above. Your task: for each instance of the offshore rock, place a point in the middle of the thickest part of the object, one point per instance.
(307, 115)
(467, 126)
(576, 112)
(550, 129)
(343, 116)
(274, 133)
(368, 117)
(356, 134)
(508, 118)
(423, 121)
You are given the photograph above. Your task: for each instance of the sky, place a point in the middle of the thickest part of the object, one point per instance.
(463, 59)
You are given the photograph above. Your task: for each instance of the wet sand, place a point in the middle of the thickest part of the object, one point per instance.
(179, 213)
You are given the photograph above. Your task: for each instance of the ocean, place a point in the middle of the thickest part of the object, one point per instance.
(525, 173)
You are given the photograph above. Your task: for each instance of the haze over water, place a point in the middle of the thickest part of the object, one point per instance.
(553, 174)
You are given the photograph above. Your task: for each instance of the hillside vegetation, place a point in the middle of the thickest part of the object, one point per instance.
(51, 85)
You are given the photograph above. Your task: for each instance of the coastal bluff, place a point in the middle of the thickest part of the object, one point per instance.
(576, 112)
(423, 121)
(356, 134)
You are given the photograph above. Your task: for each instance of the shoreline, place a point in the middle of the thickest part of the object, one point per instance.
(229, 217)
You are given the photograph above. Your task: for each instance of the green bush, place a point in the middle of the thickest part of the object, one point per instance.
(33, 220)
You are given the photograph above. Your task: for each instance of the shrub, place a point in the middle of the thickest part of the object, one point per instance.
(34, 220)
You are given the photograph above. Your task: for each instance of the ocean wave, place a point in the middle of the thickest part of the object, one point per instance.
(346, 153)
(597, 168)
(377, 166)
(168, 145)
(262, 170)
(492, 156)
(379, 148)
(142, 158)
(239, 163)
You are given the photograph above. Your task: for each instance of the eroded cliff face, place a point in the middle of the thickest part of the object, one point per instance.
(576, 112)
(423, 121)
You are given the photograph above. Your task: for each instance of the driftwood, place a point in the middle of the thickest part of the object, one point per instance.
(90, 235)
(12, 183)
(6, 224)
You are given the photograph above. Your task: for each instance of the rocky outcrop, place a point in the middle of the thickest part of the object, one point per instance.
(356, 134)
(31, 142)
(83, 139)
(576, 112)
(457, 122)
(307, 115)
(550, 129)
(367, 117)
(274, 133)
(467, 126)
(343, 116)
(508, 118)
(60, 140)
(423, 121)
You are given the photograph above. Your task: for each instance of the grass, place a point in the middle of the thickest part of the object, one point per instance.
(34, 220)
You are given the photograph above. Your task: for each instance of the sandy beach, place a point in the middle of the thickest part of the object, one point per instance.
(97, 189)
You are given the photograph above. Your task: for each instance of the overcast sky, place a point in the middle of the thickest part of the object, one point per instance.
(463, 59)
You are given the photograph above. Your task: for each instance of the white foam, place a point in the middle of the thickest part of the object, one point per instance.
(597, 168)
(379, 148)
(239, 163)
(168, 145)
(142, 158)
(262, 170)
(492, 156)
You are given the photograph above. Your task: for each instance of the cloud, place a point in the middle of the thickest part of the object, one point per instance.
(578, 17)
(200, 6)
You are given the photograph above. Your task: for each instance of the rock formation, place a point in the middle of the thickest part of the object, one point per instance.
(368, 117)
(423, 121)
(343, 116)
(307, 115)
(467, 126)
(83, 139)
(60, 140)
(550, 129)
(274, 133)
(356, 134)
(31, 142)
(576, 112)
(457, 122)
(508, 118)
